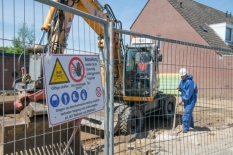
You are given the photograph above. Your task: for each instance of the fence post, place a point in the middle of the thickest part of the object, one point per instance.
(111, 83)
(106, 87)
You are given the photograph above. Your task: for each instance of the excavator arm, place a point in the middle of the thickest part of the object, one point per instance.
(58, 24)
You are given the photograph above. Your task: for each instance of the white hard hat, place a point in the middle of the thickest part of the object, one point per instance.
(183, 72)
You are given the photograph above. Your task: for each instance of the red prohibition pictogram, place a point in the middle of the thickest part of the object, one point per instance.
(76, 69)
(98, 91)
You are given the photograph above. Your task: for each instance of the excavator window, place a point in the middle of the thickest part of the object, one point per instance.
(137, 61)
(137, 69)
(142, 62)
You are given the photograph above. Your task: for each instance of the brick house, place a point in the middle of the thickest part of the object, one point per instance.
(189, 21)
(10, 69)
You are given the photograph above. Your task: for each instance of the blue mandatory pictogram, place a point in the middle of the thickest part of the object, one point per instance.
(54, 100)
(65, 98)
(75, 96)
(83, 94)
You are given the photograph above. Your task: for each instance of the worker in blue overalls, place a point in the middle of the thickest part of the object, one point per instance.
(189, 92)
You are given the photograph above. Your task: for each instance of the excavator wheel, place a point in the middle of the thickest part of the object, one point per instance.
(120, 109)
(131, 120)
(168, 107)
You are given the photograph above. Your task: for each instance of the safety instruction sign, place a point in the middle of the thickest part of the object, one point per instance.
(73, 87)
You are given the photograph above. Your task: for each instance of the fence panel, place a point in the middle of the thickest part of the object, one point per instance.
(211, 70)
(140, 87)
(24, 121)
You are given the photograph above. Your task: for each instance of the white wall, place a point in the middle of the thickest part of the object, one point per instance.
(220, 29)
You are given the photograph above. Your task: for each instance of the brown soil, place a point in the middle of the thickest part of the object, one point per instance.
(213, 132)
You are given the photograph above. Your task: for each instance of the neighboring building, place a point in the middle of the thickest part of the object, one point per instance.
(189, 21)
(10, 69)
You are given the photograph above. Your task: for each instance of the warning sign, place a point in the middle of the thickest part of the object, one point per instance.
(98, 91)
(76, 69)
(73, 87)
(58, 74)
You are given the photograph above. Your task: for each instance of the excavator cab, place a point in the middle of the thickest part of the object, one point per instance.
(141, 70)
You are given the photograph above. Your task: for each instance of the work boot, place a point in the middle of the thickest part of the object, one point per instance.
(185, 131)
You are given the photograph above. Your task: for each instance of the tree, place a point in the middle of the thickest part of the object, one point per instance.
(24, 39)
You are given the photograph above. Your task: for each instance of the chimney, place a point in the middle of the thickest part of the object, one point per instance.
(226, 13)
(181, 5)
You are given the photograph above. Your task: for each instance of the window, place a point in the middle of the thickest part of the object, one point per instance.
(158, 44)
(228, 34)
(203, 28)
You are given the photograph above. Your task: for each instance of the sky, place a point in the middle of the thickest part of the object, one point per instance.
(14, 12)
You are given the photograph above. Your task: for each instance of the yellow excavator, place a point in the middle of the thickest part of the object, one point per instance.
(136, 84)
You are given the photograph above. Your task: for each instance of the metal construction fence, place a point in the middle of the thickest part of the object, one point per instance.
(139, 74)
